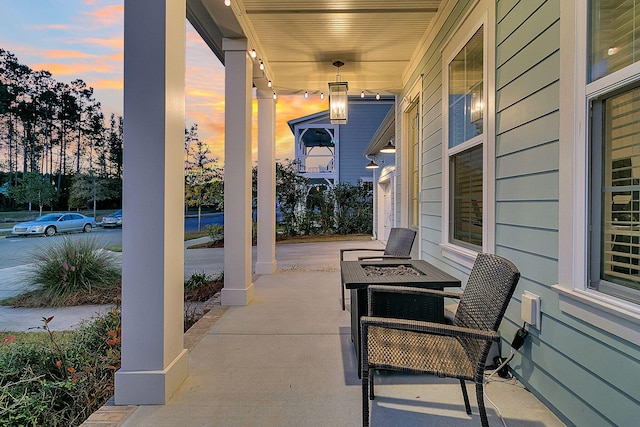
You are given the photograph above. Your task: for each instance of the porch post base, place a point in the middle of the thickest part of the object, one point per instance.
(151, 387)
(237, 296)
(263, 267)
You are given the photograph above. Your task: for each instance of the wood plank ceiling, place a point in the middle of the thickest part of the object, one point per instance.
(298, 40)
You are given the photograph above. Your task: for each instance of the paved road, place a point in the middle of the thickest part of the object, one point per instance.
(16, 251)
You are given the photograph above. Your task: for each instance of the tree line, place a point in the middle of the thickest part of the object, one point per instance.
(54, 136)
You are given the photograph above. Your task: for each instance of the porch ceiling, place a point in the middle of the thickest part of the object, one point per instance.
(298, 40)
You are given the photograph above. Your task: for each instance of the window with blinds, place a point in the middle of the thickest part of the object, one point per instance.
(466, 107)
(617, 191)
(466, 176)
(615, 36)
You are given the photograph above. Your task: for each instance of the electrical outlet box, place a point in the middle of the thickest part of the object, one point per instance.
(530, 309)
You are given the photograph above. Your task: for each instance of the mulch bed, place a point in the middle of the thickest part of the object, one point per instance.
(111, 295)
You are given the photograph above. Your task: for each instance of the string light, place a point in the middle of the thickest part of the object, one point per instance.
(253, 53)
(378, 96)
(269, 84)
(227, 2)
(275, 96)
(261, 65)
(362, 94)
(321, 95)
(306, 94)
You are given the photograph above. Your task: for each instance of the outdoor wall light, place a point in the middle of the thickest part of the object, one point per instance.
(388, 148)
(338, 99)
(372, 164)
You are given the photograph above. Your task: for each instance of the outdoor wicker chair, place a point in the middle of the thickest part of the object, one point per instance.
(398, 246)
(455, 351)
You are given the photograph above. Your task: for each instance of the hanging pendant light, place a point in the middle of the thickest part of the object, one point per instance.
(338, 99)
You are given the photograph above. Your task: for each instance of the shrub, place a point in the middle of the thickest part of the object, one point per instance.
(61, 382)
(215, 233)
(196, 280)
(73, 265)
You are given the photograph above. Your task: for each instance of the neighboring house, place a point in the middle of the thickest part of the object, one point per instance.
(516, 134)
(328, 154)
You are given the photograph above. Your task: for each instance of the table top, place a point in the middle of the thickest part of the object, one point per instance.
(354, 276)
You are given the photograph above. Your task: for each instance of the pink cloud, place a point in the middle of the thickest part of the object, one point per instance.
(46, 27)
(113, 84)
(67, 54)
(106, 16)
(75, 69)
(113, 43)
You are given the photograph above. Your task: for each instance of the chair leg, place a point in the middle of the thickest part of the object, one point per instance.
(371, 392)
(365, 399)
(481, 408)
(465, 396)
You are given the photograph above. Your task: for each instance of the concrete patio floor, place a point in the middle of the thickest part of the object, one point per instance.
(287, 360)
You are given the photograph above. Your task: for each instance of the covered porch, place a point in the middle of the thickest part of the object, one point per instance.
(287, 359)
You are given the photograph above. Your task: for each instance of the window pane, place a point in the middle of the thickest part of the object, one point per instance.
(414, 165)
(466, 106)
(466, 168)
(620, 223)
(615, 36)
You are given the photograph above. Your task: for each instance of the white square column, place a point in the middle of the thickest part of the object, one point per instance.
(238, 286)
(154, 361)
(266, 262)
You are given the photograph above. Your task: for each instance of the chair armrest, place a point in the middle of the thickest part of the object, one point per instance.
(426, 328)
(342, 251)
(383, 257)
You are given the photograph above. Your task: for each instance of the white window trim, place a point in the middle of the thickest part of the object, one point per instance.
(618, 317)
(413, 96)
(481, 14)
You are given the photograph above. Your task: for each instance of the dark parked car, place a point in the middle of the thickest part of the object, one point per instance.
(114, 219)
(53, 223)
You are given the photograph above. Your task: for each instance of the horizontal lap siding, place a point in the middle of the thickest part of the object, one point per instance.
(431, 148)
(579, 371)
(355, 136)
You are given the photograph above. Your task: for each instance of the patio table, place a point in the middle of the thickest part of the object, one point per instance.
(356, 277)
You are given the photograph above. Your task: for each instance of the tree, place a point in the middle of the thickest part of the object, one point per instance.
(291, 191)
(33, 188)
(115, 140)
(354, 208)
(87, 188)
(203, 177)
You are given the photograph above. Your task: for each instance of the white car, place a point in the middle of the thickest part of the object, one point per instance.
(53, 223)
(114, 219)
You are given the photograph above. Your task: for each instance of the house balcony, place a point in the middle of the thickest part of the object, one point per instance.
(287, 359)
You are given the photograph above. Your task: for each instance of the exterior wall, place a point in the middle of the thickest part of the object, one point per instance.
(364, 119)
(586, 376)
(564, 362)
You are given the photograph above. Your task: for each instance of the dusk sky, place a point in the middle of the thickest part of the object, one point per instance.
(84, 39)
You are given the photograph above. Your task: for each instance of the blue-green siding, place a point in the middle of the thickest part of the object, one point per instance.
(585, 375)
